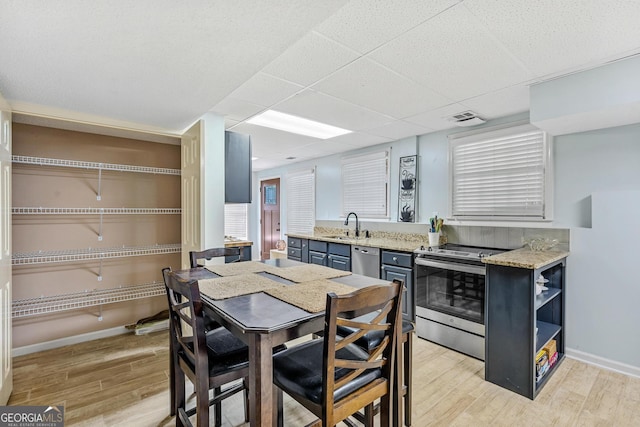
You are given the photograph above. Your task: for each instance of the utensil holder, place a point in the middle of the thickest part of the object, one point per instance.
(434, 238)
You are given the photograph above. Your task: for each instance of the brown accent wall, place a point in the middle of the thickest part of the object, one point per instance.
(46, 186)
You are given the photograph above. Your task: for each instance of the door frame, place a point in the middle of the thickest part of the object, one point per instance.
(260, 222)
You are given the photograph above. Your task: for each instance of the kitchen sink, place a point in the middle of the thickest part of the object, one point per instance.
(341, 237)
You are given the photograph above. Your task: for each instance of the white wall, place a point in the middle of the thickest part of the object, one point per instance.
(597, 192)
(597, 196)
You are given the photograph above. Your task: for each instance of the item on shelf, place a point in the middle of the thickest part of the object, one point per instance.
(542, 363)
(553, 359)
(550, 348)
(540, 284)
(281, 245)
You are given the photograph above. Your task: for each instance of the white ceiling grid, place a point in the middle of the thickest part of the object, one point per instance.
(386, 69)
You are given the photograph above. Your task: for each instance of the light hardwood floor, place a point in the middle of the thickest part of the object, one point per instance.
(123, 381)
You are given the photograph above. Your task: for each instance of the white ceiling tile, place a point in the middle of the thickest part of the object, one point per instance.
(501, 103)
(333, 111)
(263, 89)
(364, 24)
(310, 59)
(268, 143)
(236, 109)
(158, 62)
(399, 129)
(366, 83)
(549, 35)
(436, 119)
(454, 54)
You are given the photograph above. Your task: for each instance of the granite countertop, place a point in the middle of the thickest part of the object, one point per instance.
(234, 243)
(403, 242)
(526, 258)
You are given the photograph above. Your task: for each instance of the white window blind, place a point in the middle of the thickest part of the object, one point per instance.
(301, 201)
(235, 220)
(499, 174)
(365, 185)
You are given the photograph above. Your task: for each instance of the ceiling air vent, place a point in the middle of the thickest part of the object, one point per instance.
(466, 118)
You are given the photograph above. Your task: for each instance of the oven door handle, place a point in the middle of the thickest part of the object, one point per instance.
(464, 268)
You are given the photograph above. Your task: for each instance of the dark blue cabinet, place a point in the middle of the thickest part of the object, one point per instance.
(398, 265)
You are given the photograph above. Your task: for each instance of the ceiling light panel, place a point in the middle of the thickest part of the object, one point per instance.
(298, 125)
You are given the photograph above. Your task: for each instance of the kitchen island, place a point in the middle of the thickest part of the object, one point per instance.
(525, 323)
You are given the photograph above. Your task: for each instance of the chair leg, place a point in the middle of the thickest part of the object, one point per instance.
(408, 378)
(202, 404)
(217, 408)
(278, 411)
(179, 394)
(172, 382)
(246, 399)
(368, 415)
(386, 408)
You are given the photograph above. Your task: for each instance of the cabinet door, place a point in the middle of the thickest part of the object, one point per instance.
(317, 258)
(406, 275)
(340, 262)
(304, 250)
(237, 167)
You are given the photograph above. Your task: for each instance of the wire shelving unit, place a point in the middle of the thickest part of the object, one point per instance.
(88, 254)
(80, 164)
(95, 211)
(57, 303)
(95, 297)
(44, 161)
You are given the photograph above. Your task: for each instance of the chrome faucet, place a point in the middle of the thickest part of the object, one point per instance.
(346, 222)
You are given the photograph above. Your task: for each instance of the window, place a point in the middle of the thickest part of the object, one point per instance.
(301, 201)
(501, 174)
(365, 185)
(235, 220)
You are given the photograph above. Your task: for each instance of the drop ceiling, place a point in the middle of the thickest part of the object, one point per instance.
(384, 69)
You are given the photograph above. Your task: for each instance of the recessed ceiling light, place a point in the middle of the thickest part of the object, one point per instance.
(294, 124)
(254, 159)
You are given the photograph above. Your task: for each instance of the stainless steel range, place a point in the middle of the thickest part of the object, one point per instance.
(450, 290)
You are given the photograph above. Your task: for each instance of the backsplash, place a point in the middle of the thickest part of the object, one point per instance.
(495, 237)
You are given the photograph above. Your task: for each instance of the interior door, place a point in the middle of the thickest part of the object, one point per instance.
(191, 200)
(6, 372)
(269, 216)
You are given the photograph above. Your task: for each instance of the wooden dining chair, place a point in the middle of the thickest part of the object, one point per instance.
(208, 254)
(370, 341)
(334, 378)
(209, 359)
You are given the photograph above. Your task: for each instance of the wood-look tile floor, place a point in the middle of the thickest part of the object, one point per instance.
(123, 381)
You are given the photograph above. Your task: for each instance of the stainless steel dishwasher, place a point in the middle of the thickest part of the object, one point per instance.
(365, 260)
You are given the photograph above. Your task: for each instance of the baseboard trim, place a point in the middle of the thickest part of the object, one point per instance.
(602, 362)
(76, 339)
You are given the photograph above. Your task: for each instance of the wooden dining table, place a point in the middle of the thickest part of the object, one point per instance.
(263, 322)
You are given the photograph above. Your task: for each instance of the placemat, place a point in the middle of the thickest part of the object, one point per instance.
(235, 268)
(233, 286)
(310, 296)
(308, 272)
